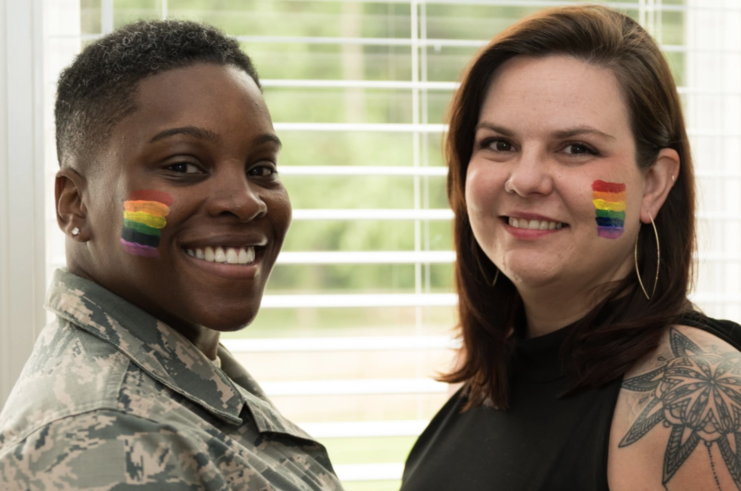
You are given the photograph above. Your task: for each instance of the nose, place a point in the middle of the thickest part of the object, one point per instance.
(531, 174)
(233, 194)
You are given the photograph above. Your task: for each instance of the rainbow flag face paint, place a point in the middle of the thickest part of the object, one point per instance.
(144, 218)
(609, 201)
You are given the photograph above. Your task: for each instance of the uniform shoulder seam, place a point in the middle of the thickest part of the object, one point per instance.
(21, 438)
(101, 405)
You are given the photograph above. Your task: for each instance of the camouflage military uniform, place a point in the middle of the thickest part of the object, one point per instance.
(111, 398)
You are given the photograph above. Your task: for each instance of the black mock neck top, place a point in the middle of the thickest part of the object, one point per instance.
(543, 442)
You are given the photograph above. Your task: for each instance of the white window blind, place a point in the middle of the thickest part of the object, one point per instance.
(358, 316)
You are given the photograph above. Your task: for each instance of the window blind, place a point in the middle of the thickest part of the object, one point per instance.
(358, 317)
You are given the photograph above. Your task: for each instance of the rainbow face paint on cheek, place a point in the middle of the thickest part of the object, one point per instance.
(144, 218)
(609, 202)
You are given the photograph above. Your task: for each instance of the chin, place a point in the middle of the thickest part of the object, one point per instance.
(239, 320)
(532, 278)
(227, 319)
(228, 325)
(531, 270)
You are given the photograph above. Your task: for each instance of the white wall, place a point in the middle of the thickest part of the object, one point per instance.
(22, 251)
(713, 114)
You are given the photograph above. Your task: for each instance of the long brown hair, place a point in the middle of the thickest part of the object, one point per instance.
(597, 352)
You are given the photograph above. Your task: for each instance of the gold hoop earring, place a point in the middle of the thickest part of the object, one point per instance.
(483, 275)
(658, 261)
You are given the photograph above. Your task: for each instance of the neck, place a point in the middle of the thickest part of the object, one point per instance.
(543, 319)
(549, 311)
(550, 307)
(206, 340)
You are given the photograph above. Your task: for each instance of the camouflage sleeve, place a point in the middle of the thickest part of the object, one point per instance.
(107, 450)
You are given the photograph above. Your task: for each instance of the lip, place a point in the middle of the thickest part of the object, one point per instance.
(228, 271)
(530, 234)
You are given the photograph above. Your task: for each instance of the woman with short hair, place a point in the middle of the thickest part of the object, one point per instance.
(584, 365)
(173, 212)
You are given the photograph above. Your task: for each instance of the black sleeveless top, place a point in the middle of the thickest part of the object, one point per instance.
(542, 442)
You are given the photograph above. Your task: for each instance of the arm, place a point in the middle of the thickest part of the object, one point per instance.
(677, 422)
(102, 449)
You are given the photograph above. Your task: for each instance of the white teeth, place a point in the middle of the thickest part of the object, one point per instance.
(246, 256)
(232, 257)
(228, 255)
(209, 256)
(534, 224)
(243, 257)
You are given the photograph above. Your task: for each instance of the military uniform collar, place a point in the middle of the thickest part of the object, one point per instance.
(266, 417)
(162, 352)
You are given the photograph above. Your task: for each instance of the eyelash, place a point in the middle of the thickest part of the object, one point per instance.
(488, 142)
(170, 168)
(270, 167)
(589, 149)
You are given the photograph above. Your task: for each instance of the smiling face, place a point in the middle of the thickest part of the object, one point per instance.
(549, 131)
(188, 185)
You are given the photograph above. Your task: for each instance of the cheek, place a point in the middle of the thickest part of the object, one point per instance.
(483, 187)
(608, 199)
(144, 216)
(280, 210)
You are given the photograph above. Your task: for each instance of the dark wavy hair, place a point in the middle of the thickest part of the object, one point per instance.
(597, 352)
(98, 89)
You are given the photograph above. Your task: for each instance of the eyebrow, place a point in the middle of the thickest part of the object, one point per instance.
(567, 133)
(581, 130)
(268, 137)
(194, 131)
(204, 134)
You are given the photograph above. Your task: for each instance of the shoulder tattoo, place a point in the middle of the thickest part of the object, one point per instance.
(697, 394)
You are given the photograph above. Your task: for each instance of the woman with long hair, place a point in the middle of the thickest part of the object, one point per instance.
(583, 363)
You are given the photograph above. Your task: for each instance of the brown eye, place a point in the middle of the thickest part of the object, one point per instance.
(184, 168)
(579, 149)
(263, 170)
(500, 146)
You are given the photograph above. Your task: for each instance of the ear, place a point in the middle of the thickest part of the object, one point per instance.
(659, 180)
(71, 210)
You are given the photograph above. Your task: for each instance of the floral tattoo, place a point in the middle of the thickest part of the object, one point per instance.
(698, 395)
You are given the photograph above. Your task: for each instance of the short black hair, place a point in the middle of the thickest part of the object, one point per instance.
(98, 90)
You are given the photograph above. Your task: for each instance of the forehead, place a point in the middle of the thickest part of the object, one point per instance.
(556, 91)
(215, 97)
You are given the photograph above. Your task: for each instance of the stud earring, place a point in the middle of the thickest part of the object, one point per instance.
(672, 177)
(75, 232)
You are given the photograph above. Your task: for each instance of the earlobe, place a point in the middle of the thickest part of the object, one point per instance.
(70, 205)
(660, 179)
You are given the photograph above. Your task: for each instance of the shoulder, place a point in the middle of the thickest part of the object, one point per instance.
(99, 449)
(69, 372)
(677, 422)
